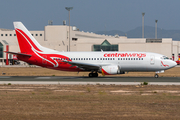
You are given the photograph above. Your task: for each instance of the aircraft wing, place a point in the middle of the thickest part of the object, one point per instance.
(84, 66)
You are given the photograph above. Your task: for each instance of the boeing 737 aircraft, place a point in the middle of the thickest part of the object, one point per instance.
(107, 63)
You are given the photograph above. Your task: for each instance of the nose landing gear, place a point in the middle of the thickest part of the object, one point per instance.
(156, 75)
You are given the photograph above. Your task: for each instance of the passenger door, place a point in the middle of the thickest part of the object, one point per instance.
(152, 60)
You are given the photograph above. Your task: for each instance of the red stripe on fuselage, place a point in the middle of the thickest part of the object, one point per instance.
(26, 44)
(164, 64)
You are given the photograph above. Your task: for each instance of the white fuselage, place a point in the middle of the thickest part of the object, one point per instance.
(125, 60)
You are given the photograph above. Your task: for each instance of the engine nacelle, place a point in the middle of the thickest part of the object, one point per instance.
(110, 70)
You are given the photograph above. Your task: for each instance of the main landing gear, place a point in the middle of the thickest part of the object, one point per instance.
(156, 75)
(93, 74)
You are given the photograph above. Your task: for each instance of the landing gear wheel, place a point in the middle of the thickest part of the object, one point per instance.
(90, 74)
(93, 74)
(156, 75)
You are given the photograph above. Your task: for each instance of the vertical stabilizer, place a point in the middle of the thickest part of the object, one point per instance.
(27, 43)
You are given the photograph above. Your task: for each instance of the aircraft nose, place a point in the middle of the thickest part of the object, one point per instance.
(173, 63)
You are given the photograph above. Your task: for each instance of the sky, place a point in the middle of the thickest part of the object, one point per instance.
(91, 15)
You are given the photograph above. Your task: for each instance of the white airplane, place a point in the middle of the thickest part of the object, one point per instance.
(107, 63)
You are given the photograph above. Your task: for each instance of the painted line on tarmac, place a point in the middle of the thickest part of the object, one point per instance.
(86, 83)
(43, 78)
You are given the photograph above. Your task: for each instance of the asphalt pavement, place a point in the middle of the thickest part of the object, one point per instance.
(87, 80)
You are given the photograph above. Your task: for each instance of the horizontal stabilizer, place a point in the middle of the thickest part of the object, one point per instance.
(14, 53)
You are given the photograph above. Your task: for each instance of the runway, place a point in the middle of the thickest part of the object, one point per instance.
(87, 80)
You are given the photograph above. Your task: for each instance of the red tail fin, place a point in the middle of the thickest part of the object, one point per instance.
(26, 41)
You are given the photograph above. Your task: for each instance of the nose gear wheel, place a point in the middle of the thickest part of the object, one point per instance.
(156, 75)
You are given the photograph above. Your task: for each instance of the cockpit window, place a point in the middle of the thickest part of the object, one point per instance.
(164, 58)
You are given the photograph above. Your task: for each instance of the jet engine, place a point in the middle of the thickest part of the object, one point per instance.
(110, 70)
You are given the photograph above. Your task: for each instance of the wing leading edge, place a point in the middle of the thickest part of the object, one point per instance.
(84, 66)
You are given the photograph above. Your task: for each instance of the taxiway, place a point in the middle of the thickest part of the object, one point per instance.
(87, 80)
